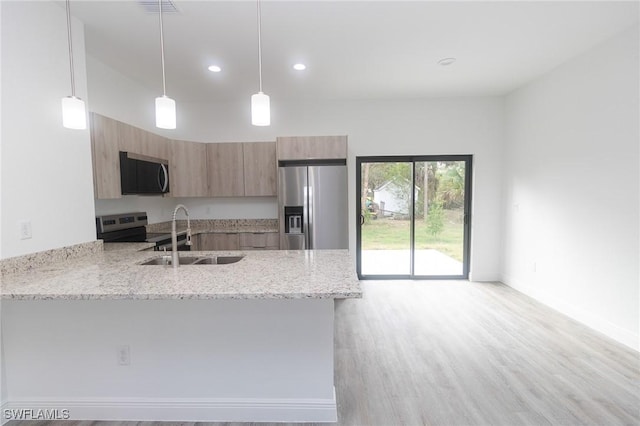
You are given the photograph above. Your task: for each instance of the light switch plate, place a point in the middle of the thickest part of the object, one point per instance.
(25, 230)
(124, 355)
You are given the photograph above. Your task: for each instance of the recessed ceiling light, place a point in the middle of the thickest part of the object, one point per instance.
(299, 67)
(445, 62)
(214, 68)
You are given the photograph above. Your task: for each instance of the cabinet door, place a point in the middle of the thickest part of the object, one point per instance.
(143, 144)
(259, 241)
(226, 169)
(188, 169)
(155, 146)
(312, 147)
(106, 161)
(218, 241)
(129, 138)
(260, 169)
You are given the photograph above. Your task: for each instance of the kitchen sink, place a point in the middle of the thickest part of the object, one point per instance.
(191, 260)
(166, 260)
(218, 260)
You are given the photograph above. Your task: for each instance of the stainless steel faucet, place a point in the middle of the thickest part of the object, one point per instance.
(175, 260)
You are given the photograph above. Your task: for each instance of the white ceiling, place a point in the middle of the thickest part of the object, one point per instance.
(353, 49)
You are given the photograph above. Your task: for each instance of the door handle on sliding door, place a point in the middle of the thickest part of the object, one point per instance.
(361, 219)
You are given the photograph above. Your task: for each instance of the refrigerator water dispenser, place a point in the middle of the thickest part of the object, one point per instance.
(293, 219)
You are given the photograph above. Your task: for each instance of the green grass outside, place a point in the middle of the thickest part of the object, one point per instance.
(389, 234)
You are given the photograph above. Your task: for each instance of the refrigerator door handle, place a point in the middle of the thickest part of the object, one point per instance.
(308, 215)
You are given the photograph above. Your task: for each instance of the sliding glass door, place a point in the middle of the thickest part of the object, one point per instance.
(413, 216)
(386, 217)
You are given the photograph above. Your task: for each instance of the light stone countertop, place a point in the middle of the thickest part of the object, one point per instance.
(128, 246)
(117, 274)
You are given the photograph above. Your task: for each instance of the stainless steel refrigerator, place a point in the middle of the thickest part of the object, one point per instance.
(313, 206)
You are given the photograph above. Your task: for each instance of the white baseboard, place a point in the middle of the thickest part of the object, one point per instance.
(188, 410)
(481, 278)
(599, 324)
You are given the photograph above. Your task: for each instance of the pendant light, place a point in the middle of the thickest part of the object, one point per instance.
(73, 111)
(260, 111)
(165, 106)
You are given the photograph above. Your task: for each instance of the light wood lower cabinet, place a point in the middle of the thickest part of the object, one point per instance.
(259, 241)
(236, 241)
(217, 241)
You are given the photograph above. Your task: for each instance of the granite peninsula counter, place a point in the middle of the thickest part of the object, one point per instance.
(117, 274)
(110, 339)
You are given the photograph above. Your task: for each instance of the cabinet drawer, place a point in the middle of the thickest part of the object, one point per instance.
(259, 240)
(218, 241)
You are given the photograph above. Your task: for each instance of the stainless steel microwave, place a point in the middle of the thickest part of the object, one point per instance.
(139, 176)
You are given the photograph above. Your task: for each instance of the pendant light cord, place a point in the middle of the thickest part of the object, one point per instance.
(73, 80)
(164, 83)
(259, 47)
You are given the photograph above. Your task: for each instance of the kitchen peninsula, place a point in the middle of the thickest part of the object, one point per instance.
(249, 341)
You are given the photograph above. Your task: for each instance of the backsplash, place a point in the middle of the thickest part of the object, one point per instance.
(230, 225)
(47, 257)
(160, 209)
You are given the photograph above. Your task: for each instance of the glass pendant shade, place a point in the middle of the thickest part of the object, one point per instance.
(260, 110)
(74, 115)
(165, 113)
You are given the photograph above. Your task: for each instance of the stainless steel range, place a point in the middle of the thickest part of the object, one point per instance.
(131, 227)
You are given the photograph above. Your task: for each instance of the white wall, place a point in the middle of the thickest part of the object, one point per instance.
(572, 188)
(119, 97)
(46, 169)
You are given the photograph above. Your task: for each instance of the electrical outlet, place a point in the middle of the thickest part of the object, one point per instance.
(124, 355)
(25, 230)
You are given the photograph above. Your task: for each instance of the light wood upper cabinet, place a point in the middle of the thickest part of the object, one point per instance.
(260, 169)
(106, 160)
(188, 169)
(108, 138)
(142, 143)
(225, 169)
(242, 169)
(200, 169)
(312, 147)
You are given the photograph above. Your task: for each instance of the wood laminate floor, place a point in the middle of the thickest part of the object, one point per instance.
(460, 353)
